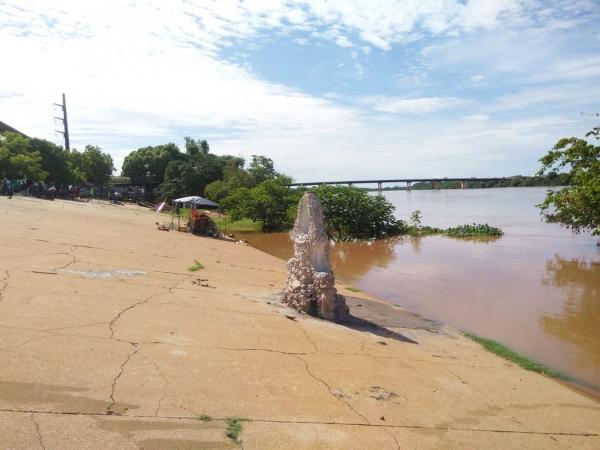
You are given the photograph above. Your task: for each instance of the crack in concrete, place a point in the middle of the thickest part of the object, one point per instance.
(268, 350)
(4, 282)
(483, 396)
(68, 264)
(165, 387)
(109, 408)
(395, 438)
(130, 307)
(37, 430)
(329, 389)
(314, 346)
(309, 422)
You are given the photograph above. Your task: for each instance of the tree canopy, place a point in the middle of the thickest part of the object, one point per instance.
(351, 213)
(18, 159)
(150, 163)
(577, 206)
(40, 160)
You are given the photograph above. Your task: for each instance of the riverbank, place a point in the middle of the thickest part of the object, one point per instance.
(108, 340)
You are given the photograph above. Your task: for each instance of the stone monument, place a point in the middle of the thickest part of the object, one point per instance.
(311, 285)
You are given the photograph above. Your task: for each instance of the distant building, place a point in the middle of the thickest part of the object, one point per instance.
(137, 189)
(5, 127)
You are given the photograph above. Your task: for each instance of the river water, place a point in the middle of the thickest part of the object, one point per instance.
(536, 289)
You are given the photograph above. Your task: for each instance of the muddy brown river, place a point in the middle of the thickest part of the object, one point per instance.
(536, 289)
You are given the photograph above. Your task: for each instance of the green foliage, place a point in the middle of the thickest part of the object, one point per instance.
(551, 179)
(217, 190)
(205, 418)
(577, 207)
(62, 166)
(474, 230)
(351, 213)
(415, 218)
(272, 202)
(506, 353)
(191, 172)
(259, 193)
(234, 428)
(261, 169)
(41, 160)
(97, 166)
(18, 159)
(197, 266)
(415, 229)
(237, 203)
(150, 163)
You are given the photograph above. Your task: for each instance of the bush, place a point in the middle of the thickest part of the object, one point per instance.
(475, 230)
(351, 213)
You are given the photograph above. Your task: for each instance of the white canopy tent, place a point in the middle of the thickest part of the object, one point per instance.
(194, 202)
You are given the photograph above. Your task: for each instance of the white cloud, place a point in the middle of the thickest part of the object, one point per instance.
(476, 118)
(343, 41)
(418, 105)
(145, 73)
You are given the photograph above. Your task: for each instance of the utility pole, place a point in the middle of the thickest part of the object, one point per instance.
(65, 131)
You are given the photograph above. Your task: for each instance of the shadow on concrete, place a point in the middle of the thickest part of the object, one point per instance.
(382, 318)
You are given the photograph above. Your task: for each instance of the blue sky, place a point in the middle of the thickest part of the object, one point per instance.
(335, 89)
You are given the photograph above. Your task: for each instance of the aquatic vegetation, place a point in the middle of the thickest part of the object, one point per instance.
(474, 230)
(415, 229)
(520, 360)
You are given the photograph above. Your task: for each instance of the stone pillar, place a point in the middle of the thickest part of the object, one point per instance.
(379, 187)
(311, 285)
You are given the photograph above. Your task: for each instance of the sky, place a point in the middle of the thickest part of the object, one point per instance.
(335, 89)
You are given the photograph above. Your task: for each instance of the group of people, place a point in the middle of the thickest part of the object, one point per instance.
(6, 187)
(45, 190)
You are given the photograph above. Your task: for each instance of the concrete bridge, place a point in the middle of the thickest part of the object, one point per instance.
(436, 181)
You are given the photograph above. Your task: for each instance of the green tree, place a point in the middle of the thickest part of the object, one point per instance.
(272, 202)
(195, 147)
(217, 190)
(97, 166)
(261, 168)
(150, 163)
(57, 162)
(351, 213)
(17, 160)
(179, 180)
(578, 206)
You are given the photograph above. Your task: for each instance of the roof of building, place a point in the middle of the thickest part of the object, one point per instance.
(5, 127)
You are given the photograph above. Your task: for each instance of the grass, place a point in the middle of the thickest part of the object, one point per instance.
(224, 223)
(234, 428)
(205, 418)
(353, 289)
(520, 360)
(242, 225)
(197, 266)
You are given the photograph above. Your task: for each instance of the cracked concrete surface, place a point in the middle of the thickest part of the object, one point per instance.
(131, 362)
